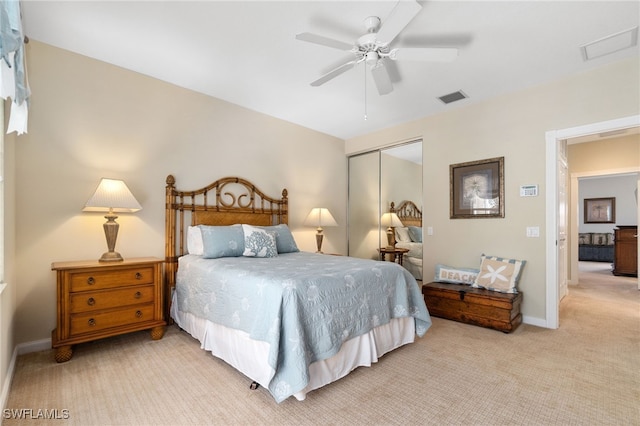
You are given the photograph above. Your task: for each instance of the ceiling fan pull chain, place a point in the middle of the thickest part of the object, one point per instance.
(364, 67)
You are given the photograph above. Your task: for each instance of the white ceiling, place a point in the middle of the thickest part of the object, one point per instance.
(246, 52)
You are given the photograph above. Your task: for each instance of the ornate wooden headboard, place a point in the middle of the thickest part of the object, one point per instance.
(226, 201)
(408, 213)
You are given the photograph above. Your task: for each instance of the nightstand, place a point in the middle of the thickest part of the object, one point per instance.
(395, 253)
(103, 299)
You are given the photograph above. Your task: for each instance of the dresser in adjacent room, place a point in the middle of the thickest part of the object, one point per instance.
(625, 255)
(102, 299)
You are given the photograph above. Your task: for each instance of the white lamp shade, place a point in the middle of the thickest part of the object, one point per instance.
(390, 220)
(319, 217)
(112, 195)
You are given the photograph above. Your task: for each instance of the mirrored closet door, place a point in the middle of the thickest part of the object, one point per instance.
(376, 179)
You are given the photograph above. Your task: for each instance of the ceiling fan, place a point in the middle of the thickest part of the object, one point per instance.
(374, 49)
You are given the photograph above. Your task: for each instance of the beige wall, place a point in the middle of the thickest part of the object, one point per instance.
(90, 120)
(512, 126)
(400, 180)
(8, 298)
(606, 155)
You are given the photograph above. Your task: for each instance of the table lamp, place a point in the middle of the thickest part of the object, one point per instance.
(390, 220)
(112, 196)
(319, 217)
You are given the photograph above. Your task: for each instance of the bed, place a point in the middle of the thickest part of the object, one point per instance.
(409, 236)
(291, 321)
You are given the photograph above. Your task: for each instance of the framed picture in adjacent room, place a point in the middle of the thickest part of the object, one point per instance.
(600, 210)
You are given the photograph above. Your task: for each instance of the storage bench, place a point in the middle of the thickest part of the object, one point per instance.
(463, 303)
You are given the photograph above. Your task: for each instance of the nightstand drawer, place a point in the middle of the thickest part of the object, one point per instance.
(95, 280)
(105, 299)
(96, 321)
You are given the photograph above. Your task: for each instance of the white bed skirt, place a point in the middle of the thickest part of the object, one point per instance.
(250, 356)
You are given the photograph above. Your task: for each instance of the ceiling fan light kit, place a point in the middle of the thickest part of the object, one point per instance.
(373, 48)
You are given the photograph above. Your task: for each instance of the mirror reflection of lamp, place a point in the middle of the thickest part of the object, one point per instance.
(319, 217)
(112, 196)
(391, 221)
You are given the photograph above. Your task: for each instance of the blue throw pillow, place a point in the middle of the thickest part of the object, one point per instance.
(415, 232)
(222, 241)
(284, 238)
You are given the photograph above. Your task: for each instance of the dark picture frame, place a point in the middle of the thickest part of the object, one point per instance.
(600, 210)
(477, 189)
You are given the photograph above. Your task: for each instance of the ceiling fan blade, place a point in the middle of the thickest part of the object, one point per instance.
(334, 73)
(424, 54)
(324, 41)
(401, 15)
(381, 78)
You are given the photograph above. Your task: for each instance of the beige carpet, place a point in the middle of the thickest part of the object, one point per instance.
(584, 373)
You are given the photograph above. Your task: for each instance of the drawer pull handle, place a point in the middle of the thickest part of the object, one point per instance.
(91, 322)
(138, 295)
(91, 281)
(138, 276)
(138, 314)
(91, 301)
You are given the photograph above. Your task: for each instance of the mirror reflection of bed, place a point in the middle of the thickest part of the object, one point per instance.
(409, 236)
(376, 178)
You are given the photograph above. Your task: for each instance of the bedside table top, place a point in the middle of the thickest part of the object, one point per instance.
(57, 266)
(396, 250)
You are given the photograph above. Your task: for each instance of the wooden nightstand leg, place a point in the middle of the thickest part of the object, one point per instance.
(64, 353)
(157, 333)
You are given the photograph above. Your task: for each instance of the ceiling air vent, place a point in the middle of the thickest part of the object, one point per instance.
(610, 44)
(452, 97)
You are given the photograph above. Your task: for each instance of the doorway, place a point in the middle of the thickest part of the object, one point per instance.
(554, 261)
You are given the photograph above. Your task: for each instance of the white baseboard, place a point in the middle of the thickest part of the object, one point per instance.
(7, 383)
(538, 322)
(35, 346)
(20, 349)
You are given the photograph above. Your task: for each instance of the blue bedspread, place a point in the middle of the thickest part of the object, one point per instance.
(303, 304)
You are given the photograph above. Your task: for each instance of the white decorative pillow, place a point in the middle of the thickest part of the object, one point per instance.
(499, 274)
(194, 241)
(258, 242)
(599, 239)
(584, 238)
(402, 234)
(449, 274)
(610, 239)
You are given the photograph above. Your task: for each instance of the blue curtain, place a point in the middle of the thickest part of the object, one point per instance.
(13, 77)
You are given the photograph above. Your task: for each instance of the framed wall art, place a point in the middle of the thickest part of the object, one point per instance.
(477, 189)
(600, 210)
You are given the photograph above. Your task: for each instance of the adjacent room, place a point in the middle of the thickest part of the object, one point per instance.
(327, 212)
